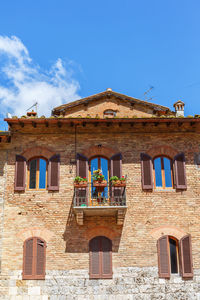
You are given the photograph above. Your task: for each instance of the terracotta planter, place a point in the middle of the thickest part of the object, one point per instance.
(119, 183)
(81, 184)
(97, 183)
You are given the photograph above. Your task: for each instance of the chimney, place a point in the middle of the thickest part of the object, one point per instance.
(179, 108)
(31, 113)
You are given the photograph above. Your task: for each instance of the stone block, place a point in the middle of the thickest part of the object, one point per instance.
(34, 291)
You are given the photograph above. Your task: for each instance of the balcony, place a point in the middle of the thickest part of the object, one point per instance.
(100, 201)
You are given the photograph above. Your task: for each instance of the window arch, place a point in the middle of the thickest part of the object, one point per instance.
(100, 249)
(109, 113)
(174, 256)
(34, 258)
(163, 172)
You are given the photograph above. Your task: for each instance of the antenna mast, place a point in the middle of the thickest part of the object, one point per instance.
(35, 104)
(146, 93)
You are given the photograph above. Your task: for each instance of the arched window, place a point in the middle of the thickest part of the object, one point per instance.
(174, 256)
(100, 249)
(163, 172)
(34, 257)
(102, 164)
(42, 173)
(37, 173)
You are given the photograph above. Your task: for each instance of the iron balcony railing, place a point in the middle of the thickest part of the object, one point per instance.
(92, 196)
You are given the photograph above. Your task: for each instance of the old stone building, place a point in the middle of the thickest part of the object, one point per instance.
(127, 228)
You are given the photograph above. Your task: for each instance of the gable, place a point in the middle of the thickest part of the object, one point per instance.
(110, 104)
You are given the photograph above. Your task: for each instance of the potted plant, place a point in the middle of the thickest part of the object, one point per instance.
(99, 179)
(80, 182)
(118, 182)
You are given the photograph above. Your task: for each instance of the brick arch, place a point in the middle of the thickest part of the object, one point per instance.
(162, 150)
(168, 230)
(99, 151)
(38, 151)
(100, 231)
(37, 232)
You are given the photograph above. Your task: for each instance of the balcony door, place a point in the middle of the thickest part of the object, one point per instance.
(102, 164)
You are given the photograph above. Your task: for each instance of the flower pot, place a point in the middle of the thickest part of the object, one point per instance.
(98, 183)
(119, 183)
(80, 184)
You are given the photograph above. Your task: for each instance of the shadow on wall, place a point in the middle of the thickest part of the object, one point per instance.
(77, 237)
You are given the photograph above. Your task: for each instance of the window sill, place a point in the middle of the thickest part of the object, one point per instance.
(164, 190)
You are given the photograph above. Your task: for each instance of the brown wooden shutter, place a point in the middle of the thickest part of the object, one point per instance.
(82, 166)
(20, 173)
(180, 174)
(163, 257)
(116, 170)
(116, 165)
(28, 259)
(146, 171)
(54, 173)
(94, 248)
(106, 252)
(185, 247)
(40, 258)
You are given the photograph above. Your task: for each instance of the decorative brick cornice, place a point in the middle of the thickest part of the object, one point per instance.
(162, 150)
(38, 151)
(37, 232)
(99, 151)
(168, 230)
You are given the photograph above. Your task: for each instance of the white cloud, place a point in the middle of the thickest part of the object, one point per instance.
(25, 83)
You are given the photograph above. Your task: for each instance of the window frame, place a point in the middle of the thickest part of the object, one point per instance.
(37, 158)
(163, 173)
(177, 253)
(34, 275)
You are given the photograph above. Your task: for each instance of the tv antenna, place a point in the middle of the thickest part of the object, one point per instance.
(34, 105)
(147, 92)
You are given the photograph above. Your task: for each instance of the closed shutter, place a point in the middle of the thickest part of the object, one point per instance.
(180, 174)
(94, 248)
(116, 165)
(146, 172)
(116, 170)
(20, 173)
(82, 166)
(34, 259)
(82, 171)
(28, 259)
(106, 252)
(163, 257)
(54, 173)
(40, 258)
(186, 257)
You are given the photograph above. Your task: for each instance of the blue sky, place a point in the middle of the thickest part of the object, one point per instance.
(64, 50)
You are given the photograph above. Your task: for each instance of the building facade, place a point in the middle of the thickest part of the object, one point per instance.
(127, 228)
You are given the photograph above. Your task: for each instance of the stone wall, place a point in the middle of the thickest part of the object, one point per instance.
(127, 284)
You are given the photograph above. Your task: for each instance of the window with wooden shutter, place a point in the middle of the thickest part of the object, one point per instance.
(100, 257)
(163, 257)
(20, 173)
(186, 257)
(34, 257)
(146, 172)
(180, 174)
(54, 173)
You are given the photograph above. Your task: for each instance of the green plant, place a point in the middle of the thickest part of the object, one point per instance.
(114, 178)
(122, 178)
(80, 179)
(98, 176)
